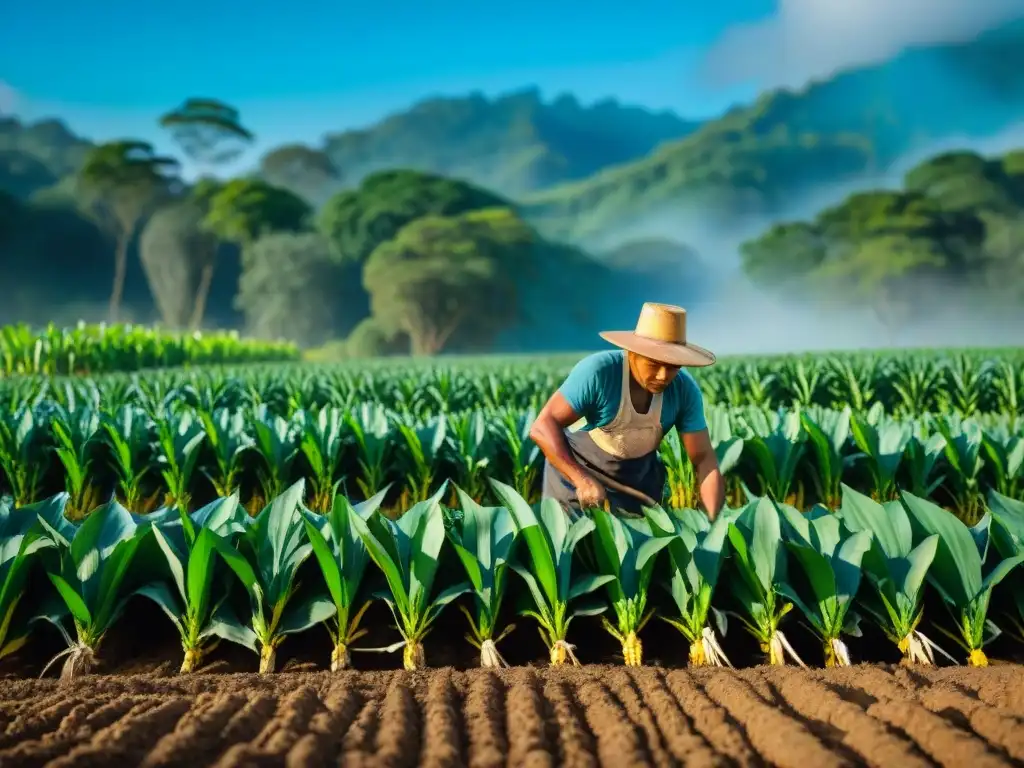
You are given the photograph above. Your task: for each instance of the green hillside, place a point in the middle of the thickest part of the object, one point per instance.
(755, 159)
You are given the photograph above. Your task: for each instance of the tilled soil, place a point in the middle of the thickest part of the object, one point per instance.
(593, 715)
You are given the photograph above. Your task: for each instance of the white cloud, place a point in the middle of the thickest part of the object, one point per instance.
(8, 98)
(811, 38)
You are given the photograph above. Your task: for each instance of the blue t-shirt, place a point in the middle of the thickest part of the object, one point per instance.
(594, 388)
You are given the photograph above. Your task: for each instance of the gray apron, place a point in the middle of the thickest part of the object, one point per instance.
(625, 450)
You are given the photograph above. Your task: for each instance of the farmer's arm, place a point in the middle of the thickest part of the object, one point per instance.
(582, 395)
(693, 430)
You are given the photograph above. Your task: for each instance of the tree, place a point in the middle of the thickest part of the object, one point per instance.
(785, 252)
(357, 221)
(307, 172)
(286, 288)
(175, 252)
(243, 210)
(963, 181)
(121, 182)
(443, 274)
(209, 131)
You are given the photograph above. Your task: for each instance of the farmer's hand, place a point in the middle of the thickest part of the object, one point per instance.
(589, 492)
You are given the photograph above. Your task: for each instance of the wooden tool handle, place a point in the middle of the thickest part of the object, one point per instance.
(617, 486)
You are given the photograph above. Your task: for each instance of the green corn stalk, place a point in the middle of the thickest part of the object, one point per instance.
(728, 449)
(22, 537)
(695, 559)
(524, 456)
(226, 434)
(831, 560)
(922, 462)
(423, 448)
(179, 438)
(883, 445)
(473, 450)
(627, 550)
(829, 434)
(274, 441)
(266, 559)
(75, 434)
(1008, 537)
(756, 538)
(406, 551)
(777, 447)
(896, 567)
(371, 429)
(189, 546)
(963, 454)
(23, 457)
(956, 573)
(1005, 453)
(93, 563)
(680, 475)
(551, 538)
(485, 547)
(128, 433)
(321, 440)
(342, 556)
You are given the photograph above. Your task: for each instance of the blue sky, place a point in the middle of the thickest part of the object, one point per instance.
(299, 69)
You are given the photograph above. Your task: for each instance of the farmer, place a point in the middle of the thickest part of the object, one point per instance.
(628, 398)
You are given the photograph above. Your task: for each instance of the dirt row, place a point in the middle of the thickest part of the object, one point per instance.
(588, 716)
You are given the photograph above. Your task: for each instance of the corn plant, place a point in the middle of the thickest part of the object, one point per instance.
(829, 434)
(776, 442)
(322, 441)
(229, 441)
(627, 550)
(407, 551)
(963, 454)
(93, 562)
(695, 560)
(199, 607)
(423, 448)
(21, 538)
(23, 458)
(474, 451)
(882, 444)
(756, 538)
(956, 573)
(128, 433)
(75, 436)
(370, 428)
(179, 438)
(551, 538)
(896, 566)
(342, 556)
(830, 558)
(273, 440)
(485, 546)
(266, 559)
(1005, 453)
(1008, 538)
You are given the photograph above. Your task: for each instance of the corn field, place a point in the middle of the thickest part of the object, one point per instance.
(104, 348)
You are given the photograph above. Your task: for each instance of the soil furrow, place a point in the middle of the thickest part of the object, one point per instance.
(322, 745)
(1005, 731)
(34, 723)
(618, 741)
(442, 727)
(528, 744)
(686, 745)
(197, 735)
(862, 734)
(623, 689)
(129, 738)
(575, 743)
(780, 740)
(484, 715)
(935, 736)
(723, 733)
(398, 740)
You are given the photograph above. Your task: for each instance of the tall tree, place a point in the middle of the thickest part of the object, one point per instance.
(307, 172)
(121, 181)
(211, 134)
(176, 253)
(442, 275)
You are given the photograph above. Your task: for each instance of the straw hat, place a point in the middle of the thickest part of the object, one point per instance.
(660, 334)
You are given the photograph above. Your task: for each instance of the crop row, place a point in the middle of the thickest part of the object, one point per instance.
(173, 452)
(221, 575)
(104, 348)
(908, 383)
